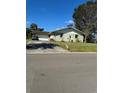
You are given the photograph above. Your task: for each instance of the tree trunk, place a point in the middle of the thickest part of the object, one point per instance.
(85, 39)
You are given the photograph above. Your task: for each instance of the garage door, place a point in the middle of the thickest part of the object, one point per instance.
(43, 37)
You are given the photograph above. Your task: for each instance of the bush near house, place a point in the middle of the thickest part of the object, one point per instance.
(77, 46)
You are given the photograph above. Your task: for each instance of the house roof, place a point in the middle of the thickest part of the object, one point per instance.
(65, 30)
(40, 33)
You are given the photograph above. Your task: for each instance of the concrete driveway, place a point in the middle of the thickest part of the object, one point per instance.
(61, 73)
(39, 47)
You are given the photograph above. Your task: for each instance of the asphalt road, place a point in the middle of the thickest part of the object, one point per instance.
(61, 73)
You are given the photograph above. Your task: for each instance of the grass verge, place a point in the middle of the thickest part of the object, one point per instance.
(77, 47)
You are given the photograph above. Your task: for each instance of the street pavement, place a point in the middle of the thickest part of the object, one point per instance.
(61, 73)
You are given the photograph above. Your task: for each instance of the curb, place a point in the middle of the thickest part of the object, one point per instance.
(63, 53)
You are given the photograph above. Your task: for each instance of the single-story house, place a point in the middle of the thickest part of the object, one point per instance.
(40, 35)
(68, 34)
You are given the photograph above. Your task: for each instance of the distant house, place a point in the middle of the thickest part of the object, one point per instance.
(68, 34)
(39, 35)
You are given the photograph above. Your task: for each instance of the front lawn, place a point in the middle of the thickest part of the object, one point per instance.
(77, 47)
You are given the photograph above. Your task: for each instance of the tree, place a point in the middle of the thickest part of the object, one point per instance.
(85, 17)
(32, 30)
(28, 33)
(33, 27)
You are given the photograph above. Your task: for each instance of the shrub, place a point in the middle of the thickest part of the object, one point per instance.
(77, 40)
(62, 41)
(52, 40)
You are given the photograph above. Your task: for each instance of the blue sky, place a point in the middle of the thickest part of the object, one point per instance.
(50, 14)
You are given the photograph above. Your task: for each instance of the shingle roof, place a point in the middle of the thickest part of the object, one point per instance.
(65, 30)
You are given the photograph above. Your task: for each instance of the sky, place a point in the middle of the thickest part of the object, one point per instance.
(50, 14)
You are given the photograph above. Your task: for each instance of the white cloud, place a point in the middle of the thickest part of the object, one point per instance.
(69, 22)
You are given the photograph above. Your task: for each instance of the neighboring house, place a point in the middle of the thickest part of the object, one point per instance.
(68, 34)
(39, 35)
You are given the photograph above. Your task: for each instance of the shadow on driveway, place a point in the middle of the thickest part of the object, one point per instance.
(41, 45)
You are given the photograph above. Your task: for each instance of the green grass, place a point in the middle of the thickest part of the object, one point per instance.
(77, 47)
(27, 40)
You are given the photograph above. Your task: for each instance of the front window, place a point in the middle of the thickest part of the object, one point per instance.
(61, 35)
(76, 36)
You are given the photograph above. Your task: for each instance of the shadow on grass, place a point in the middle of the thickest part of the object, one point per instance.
(41, 45)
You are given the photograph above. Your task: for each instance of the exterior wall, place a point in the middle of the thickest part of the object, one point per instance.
(68, 37)
(58, 38)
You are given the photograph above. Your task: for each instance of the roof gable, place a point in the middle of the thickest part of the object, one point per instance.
(65, 30)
